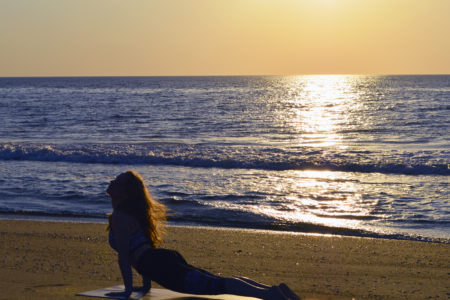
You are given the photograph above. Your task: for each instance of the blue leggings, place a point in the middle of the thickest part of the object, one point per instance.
(170, 270)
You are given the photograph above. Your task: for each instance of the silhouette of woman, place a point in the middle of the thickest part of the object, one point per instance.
(135, 231)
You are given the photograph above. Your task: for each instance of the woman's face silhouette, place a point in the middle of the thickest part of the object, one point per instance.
(116, 189)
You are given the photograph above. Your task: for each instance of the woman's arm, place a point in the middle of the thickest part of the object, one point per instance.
(146, 284)
(120, 225)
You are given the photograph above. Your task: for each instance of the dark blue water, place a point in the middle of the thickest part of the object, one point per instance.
(356, 155)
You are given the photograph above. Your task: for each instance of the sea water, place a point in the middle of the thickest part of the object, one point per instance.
(351, 155)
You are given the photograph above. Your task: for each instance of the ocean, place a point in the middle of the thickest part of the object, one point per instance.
(333, 154)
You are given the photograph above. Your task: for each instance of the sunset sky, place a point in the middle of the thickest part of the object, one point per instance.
(223, 37)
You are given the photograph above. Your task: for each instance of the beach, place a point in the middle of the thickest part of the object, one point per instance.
(56, 260)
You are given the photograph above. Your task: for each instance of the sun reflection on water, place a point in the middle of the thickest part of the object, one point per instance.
(319, 107)
(316, 112)
(324, 198)
(319, 111)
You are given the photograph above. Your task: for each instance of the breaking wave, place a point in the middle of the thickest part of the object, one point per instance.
(426, 162)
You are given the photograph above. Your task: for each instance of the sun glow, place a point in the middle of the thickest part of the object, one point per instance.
(319, 110)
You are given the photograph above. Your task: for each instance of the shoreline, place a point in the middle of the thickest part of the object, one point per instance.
(42, 260)
(354, 232)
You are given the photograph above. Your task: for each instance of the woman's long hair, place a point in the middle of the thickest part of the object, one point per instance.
(150, 214)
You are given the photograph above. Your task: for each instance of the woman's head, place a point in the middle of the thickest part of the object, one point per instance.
(128, 191)
(117, 189)
(129, 194)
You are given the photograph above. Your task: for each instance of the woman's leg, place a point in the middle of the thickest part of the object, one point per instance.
(284, 288)
(200, 282)
(170, 270)
(240, 287)
(248, 280)
(288, 292)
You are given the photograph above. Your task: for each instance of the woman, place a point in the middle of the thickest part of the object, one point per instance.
(135, 231)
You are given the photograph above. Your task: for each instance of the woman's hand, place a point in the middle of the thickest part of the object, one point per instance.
(145, 288)
(146, 284)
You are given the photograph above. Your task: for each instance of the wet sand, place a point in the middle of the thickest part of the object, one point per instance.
(56, 260)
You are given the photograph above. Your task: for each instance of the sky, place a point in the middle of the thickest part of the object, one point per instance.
(223, 37)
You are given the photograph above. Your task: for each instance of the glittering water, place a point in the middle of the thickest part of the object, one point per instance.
(359, 155)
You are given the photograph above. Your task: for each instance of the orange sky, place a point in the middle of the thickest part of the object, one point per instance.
(223, 37)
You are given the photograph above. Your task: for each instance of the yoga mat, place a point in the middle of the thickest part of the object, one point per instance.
(157, 294)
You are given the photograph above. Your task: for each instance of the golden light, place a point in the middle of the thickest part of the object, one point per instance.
(319, 108)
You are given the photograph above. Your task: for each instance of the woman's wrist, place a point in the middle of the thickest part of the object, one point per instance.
(128, 292)
(146, 283)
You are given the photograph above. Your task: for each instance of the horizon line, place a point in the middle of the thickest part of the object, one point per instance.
(231, 75)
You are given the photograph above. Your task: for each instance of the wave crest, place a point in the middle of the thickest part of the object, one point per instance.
(427, 162)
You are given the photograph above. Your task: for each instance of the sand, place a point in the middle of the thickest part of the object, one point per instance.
(56, 260)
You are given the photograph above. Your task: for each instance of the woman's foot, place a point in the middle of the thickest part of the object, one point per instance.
(288, 292)
(275, 293)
